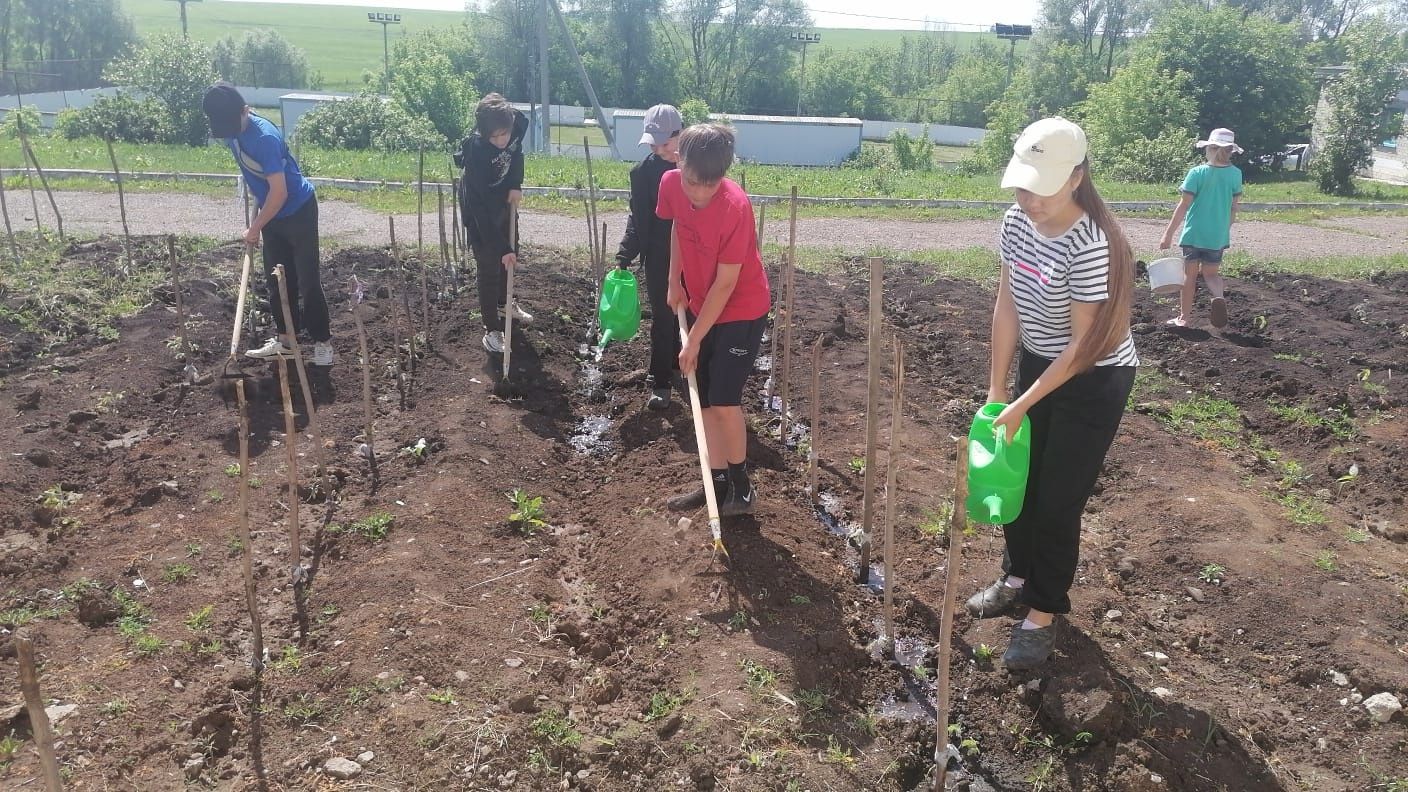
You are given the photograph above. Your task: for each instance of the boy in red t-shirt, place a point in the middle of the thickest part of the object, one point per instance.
(717, 274)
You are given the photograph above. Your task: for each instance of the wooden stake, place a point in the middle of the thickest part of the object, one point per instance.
(787, 284)
(190, 367)
(366, 381)
(420, 201)
(508, 293)
(244, 194)
(295, 539)
(957, 525)
(762, 223)
(456, 227)
(410, 365)
(251, 596)
(314, 426)
(872, 418)
(446, 263)
(813, 457)
(122, 206)
(425, 299)
(591, 186)
(43, 181)
(38, 719)
(9, 231)
(33, 196)
(892, 492)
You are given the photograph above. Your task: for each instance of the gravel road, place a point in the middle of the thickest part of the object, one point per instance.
(161, 213)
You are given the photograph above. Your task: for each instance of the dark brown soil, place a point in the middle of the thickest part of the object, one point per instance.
(608, 651)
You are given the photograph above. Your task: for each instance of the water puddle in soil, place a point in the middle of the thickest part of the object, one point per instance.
(589, 436)
(831, 513)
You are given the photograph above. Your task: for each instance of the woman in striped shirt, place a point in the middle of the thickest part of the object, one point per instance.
(1064, 297)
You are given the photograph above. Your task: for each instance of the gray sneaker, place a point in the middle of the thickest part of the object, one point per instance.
(737, 503)
(1029, 648)
(999, 599)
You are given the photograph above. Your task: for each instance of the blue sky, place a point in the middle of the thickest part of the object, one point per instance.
(892, 14)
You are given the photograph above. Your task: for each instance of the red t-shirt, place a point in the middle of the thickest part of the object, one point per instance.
(721, 232)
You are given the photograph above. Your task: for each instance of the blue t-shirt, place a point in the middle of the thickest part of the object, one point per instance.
(260, 150)
(1208, 224)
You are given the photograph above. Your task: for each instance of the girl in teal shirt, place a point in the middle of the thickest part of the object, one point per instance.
(1206, 212)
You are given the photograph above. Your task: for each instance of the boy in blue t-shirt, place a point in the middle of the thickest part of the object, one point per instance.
(287, 221)
(1206, 211)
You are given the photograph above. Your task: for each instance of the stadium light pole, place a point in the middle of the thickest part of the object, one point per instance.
(185, 34)
(1014, 34)
(386, 21)
(805, 39)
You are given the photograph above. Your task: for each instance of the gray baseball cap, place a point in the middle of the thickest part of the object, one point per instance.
(662, 122)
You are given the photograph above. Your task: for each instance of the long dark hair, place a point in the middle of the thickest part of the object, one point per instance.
(1112, 322)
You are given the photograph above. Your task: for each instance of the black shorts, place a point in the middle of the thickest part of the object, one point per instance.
(1204, 255)
(726, 359)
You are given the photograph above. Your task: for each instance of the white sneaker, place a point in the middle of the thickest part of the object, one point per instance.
(494, 341)
(273, 348)
(520, 316)
(323, 354)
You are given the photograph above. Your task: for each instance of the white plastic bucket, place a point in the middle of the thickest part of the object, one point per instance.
(1166, 275)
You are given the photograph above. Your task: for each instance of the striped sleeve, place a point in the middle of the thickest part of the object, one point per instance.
(1090, 271)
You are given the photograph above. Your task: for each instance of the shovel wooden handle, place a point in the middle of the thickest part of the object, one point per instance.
(710, 499)
(239, 301)
(508, 289)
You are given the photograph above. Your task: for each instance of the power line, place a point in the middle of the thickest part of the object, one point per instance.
(972, 25)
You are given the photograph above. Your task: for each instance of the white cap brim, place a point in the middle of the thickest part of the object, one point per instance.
(1205, 143)
(649, 140)
(1023, 175)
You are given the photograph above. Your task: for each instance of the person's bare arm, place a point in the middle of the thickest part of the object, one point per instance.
(1005, 334)
(1174, 223)
(1236, 204)
(719, 293)
(1057, 374)
(278, 196)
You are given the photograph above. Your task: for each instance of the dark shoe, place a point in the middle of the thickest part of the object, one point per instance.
(688, 501)
(1219, 312)
(736, 503)
(999, 599)
(1029, 648)
(659, 399)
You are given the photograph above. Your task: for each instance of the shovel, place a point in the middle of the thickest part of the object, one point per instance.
(508, 300)
(710, 499)
(237, 333)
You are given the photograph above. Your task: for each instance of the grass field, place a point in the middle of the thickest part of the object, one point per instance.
(341, 43)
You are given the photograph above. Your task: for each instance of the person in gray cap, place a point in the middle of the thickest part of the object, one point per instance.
(287, 222)
(647, 237)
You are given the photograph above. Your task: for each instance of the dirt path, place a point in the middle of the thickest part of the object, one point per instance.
(162, 213)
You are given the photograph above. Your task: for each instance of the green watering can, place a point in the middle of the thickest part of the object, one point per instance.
(618, 313)
(997, 468)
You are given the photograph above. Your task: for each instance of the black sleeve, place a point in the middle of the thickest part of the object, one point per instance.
(514, 180)
(637, 227)
(481, 212)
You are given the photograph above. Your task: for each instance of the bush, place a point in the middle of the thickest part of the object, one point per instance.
(119, 117)
(262, 57)
(428, 83)
(176, 71)
(26, 118)
(1141, 124)
(366, 121)
(694, 111)
(912, 153)
(1007, 116)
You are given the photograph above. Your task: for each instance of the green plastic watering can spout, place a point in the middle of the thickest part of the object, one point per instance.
(994, 507)
(605, 338)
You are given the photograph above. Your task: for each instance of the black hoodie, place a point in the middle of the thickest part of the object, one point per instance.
(488, 176)
(646, 235)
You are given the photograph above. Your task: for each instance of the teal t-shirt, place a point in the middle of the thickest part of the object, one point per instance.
(1208, 224)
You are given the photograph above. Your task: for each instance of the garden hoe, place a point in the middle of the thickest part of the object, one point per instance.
(227, 377)
(710, 499)
(505, 388)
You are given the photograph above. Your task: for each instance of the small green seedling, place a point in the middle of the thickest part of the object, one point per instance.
(1212, 573)
(662, 704)
(528, 515)
(760, 677)
(446, 696)
(554, 727)
(835, 754)
(416, 451)
(801, 599)
(233, 470)
(201, 620)
(983, 653)
(1356, 536)
(1325, 562)
(738, 621)
(177, 573)
(857, 465)
(215, 496)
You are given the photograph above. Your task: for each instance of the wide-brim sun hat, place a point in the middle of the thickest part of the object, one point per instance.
(1223, 137)
(1045, 155)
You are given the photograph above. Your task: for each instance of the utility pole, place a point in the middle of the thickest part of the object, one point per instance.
(805, 39)
(184, 33)
(1013, 34)
(386, 20)
(586, 81)
(544, 101)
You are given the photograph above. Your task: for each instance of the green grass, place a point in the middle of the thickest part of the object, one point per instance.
(338, 40)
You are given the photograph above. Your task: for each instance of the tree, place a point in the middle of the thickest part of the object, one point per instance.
(738, 53)
(433, 76)
(1249, 74)
(1141, 124)
(262, 58)
(977, 80)
(1097, 28)
(628, 56)
(70, 39)
(848, 83)
(1319, 20)
(365, 122)
(175, 70)
(1357, 106)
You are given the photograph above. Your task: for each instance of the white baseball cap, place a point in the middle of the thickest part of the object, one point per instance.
(1044, 156)
(1221, 137)
(662, 122)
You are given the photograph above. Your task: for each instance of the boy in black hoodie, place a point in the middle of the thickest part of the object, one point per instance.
(491, 186)
(648, 236)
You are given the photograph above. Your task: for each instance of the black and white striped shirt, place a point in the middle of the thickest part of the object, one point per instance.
(1045, 274)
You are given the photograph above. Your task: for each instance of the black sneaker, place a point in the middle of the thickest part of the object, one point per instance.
(1029, 648)
(736, 503)
(659, 399)
(996, 600)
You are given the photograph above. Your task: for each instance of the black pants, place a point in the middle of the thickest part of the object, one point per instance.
(491, 280)
(293, 242)
(664, 327)
(1072, 429)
